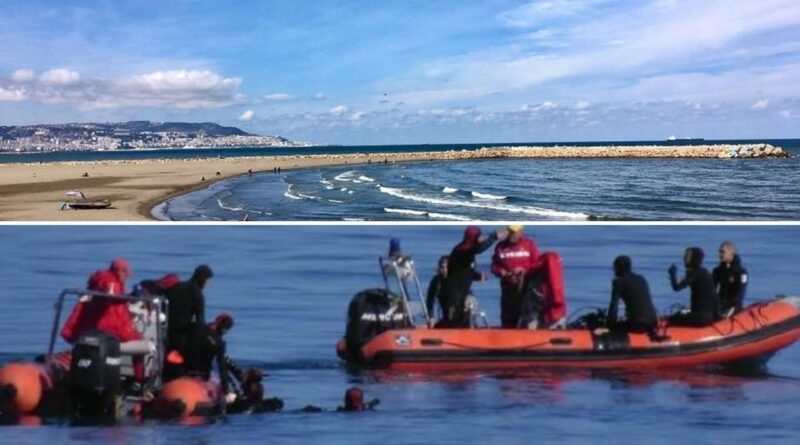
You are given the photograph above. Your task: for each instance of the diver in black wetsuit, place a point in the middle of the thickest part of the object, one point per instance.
(704, 307)
(435, 286)
(633, 290)
(730, 279)
(187, 311)
(461, 273)
(208, 346)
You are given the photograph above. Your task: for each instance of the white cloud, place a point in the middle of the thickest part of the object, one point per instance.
(650, 39)
(338, 110)
(760, 105)
(278, 97)
(247, 116)
(23, 75)
(60, 77)
(12, 95)
(357, 116)
(582, 105)
(319, 96)
(786, 114)
(171, 89)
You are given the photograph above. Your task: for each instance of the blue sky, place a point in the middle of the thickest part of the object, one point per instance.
(357, 72)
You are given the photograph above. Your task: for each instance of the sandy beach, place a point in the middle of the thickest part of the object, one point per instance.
(35, 192)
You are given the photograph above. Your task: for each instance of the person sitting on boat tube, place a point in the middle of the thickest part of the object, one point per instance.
(516, 259)
(104, 314)
(461, 272)
(704, 303)
(730, 279)
(633, 290)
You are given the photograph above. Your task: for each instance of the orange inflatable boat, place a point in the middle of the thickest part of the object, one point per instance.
(387, 329)
(750, 337)
(97, 378)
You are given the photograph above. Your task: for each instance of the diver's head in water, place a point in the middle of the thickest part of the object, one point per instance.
(622, 265)
(442, 268)
(693, 257)
(354, 400)
(727, 252)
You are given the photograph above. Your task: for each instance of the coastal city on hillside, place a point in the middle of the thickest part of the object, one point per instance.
(132, 135)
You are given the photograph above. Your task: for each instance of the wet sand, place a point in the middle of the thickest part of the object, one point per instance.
(35, 192)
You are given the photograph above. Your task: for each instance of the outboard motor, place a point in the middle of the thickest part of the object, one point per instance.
(95, 385)
(371, 312)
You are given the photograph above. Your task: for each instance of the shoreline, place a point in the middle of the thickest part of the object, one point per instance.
(34, 192)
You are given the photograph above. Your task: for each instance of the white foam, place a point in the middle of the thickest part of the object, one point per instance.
(292, 195)
(536, 211)
(232, 209)
(405, 211)
(366, 179)
(330, 187)
(335, 201)
(488, 196)
(353, 219)
(345, 177)
(449, 190)
(432, 215)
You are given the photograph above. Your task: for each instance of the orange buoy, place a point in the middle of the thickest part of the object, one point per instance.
(180, 397)
(20, 387)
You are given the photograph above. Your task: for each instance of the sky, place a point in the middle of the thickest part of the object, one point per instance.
(413, 71)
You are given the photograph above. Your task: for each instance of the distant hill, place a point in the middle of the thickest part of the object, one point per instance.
(132, 135)
(111, 128)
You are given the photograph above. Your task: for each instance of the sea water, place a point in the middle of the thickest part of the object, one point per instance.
(508, 189)
(288, 288)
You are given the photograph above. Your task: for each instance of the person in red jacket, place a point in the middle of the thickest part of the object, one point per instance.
(111, 316)
(515, 259)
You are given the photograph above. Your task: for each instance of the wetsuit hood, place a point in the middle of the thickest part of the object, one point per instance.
(471, 236)
(201, 274)
(354, 399)
(622, 265)
(697, 256)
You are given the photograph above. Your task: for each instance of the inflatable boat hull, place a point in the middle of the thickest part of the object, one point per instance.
(750, 337)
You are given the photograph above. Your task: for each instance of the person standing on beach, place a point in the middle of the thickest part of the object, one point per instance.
(462, 272)
(516, 260)
(730, 279)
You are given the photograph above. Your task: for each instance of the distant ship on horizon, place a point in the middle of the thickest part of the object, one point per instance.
(684, 141)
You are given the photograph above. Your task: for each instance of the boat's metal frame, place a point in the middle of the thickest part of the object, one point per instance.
(153, 327)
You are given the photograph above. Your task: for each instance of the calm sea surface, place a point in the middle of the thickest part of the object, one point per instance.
(288, 288)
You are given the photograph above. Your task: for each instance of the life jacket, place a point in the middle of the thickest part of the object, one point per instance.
(106, 315)
(522, 255)
(555, 302)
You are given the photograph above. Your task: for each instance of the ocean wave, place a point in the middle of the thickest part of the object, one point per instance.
(535, 211)
(353, 219)
(232, 209)
(488, 196)
(366, 178)
(449, 190)
(432, 215)
(292, 195)
(335, 201)
(345, 177)
(405, 211)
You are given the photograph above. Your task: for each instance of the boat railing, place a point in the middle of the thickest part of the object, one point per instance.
(400, 277)
(150, 320)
